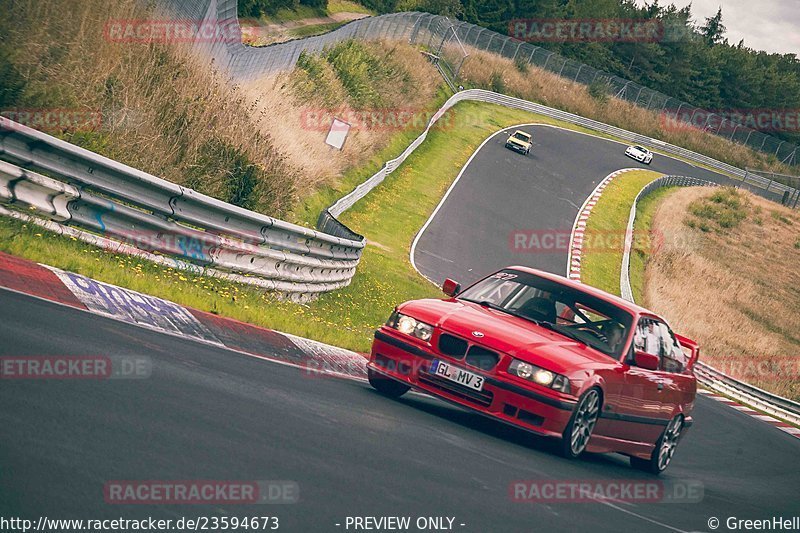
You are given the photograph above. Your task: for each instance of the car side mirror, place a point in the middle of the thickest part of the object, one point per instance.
(451, 287)
(646, 360)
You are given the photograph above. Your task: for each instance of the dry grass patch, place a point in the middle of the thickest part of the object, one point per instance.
(163, 111)
(733, 285)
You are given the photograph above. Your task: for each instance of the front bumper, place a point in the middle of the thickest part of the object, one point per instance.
(543, 411)
(516, 148)
(639, 158)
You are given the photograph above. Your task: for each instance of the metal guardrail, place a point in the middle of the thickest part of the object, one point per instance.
(479, 95)
(113, 200)
(707, 375)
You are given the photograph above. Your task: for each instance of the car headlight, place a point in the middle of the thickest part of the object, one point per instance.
(538, 375)
(410, 326)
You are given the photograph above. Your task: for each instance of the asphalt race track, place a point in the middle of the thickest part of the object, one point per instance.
(213, 414)
(501, 191)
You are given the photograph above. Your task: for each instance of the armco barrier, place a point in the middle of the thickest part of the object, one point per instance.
(763, 185)
(117, 202)
(707, 375)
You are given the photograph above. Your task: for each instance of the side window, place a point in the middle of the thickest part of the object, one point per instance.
(655, 337)
(648, 337)
(675, 359)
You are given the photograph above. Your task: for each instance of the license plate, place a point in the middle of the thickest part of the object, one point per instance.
(457, 375)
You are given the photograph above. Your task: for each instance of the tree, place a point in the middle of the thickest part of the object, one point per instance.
(713, 30)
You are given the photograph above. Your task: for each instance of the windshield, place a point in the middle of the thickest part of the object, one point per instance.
(568, 311)
(522, 137)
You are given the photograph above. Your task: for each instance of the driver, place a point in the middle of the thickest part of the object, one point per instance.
(614, 335)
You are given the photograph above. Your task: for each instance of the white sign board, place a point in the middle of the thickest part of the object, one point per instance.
(337, 134)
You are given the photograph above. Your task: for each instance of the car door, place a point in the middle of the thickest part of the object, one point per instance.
(680, 384)
(647, 395)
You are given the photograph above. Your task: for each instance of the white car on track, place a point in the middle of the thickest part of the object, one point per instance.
(639, 153)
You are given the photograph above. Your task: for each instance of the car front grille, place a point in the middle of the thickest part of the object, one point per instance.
(452, 346)
(476, 356)
(480, 357)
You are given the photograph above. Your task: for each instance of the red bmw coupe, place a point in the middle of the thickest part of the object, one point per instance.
(548, 355)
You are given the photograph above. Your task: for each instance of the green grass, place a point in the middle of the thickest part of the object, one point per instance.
(645, 210)
(298, 13)
(306, 12)
(346, 6)
(389, 217)
(310, 30)
(721, 211)
(605, 230)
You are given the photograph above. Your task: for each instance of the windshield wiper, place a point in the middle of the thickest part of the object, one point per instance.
(491, 305)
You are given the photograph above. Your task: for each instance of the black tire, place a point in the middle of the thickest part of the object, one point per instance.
(386, 386)
(583, 420)
(665, 448)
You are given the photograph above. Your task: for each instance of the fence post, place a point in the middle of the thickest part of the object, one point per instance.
(638, 95)
(516, 51)
(562, 66)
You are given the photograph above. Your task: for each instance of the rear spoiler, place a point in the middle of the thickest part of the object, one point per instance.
(692, 346)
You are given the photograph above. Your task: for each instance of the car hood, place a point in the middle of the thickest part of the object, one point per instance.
(514, 336)
(514, 140)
